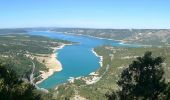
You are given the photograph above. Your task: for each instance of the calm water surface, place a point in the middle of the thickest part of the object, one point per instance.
(77, 60)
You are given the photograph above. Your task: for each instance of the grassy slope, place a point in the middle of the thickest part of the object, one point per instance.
(14, 46)
(14, 49)
(134, 36)
(122, 57)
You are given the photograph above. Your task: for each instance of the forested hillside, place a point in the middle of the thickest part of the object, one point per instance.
(104, 81)
(134, 36)
(22, 51)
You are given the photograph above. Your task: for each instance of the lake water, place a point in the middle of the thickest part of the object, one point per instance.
(77, 60)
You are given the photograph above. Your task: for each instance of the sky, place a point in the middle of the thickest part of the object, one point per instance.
(85, 13)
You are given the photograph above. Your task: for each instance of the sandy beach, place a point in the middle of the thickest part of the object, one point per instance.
(101, 58)
(51, 63)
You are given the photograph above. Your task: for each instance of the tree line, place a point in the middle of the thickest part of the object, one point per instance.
(142, 80)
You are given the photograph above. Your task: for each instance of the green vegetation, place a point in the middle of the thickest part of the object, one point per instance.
(18, 53)
(118, 59)
(14, 88)
(21, 50)
(142, 80)
(134, 36)
(117, 34)
(12, 31)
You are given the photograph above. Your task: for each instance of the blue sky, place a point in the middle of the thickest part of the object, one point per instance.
(85, 13)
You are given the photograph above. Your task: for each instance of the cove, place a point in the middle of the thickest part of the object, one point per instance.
(77, 59)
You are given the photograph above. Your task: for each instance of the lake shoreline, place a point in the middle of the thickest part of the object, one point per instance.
(101, 57)
(121, 41)
(94, 74)
(53, 65)
(84, 42)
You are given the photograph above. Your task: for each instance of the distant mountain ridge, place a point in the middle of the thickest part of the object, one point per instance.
(14, 30)
(154, 37)
(136, 36)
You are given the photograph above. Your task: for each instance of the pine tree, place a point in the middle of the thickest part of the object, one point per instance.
(143, 79)
(13, 88)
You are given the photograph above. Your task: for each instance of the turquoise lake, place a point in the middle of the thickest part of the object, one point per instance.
(77, 59)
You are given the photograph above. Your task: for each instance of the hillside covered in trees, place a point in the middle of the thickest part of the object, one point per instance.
(115, 59)
(22, 51)
(133, 36)
(18, 52)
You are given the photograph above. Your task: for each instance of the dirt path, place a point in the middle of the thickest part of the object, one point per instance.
(32, 73)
